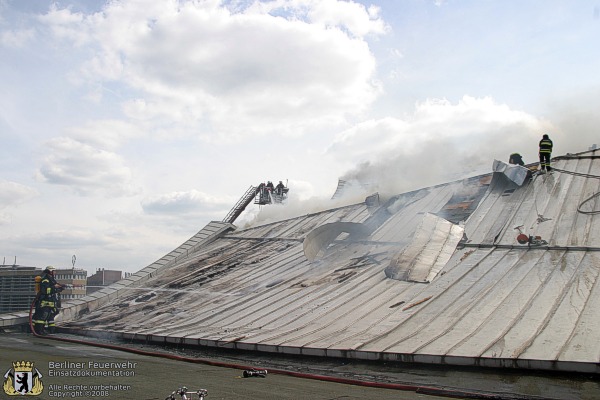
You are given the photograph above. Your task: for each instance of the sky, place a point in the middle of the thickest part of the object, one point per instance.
(127, 126)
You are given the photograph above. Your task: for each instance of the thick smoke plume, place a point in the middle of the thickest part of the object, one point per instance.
(442, 142)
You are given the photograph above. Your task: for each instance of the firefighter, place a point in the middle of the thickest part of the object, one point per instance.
(279, 188)
(545, 153)
(515, 158)
(47, 303)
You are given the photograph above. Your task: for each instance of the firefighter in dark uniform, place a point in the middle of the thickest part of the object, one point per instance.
(545, 153)
(516, 159)
(47, 303)
(279, 188)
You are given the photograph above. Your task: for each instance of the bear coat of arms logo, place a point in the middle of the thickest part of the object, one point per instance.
(23, 379)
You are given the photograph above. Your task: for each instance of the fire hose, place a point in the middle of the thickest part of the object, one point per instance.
(420, 389)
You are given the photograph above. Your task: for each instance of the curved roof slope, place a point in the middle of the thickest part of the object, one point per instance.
(488, 301)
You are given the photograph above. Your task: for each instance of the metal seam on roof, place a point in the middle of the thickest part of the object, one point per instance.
(494, 302)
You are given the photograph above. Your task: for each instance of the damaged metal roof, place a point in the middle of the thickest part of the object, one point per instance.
(435, 275)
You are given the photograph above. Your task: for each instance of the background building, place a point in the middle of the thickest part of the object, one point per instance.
(17, 287)
(76, 281)
(103, 277)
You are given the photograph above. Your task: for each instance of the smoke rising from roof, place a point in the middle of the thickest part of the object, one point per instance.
(295, 206)
(440, 142)
(577, 121)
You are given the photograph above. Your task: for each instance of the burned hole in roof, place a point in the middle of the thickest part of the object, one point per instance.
(210, 269)
(144, 298)
(346, 276)
(176, 296)
(317, 243)
(464, 201)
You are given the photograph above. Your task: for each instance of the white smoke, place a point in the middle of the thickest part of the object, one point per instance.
(296, 206)
(441, 142)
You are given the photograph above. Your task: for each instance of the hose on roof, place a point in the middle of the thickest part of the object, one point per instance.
(576, 157)
(591, 212)
(579, 208)
(562, 171)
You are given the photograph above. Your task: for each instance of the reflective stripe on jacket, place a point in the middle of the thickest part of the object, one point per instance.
(47, 291)
(545, 146)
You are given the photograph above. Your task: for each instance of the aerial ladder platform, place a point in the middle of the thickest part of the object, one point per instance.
(261, 195)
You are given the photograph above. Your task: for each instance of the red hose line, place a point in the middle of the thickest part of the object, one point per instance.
(381, 385)
(31, 317)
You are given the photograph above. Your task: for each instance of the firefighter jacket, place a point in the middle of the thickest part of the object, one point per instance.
(546, 146)
(48, 291)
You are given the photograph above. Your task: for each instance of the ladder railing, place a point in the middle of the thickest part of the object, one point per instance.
(241, 205)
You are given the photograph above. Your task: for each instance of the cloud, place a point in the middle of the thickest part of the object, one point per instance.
(85, 169)
(53, 247)
(93, 248)
(349, 16)
(16, 38)
(72, 26)
(105, 134)
(180, 203)
(12, 193)
(71, 239)
(280, 69)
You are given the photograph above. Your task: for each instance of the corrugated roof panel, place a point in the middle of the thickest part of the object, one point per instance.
(494, 299)
(576, 276)
(405, 219)
(431, 247)
(520, 314)
(450, 294)
(479, 312)
(584, 342)
(300, 226)
(546, 207)
(318, 240)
